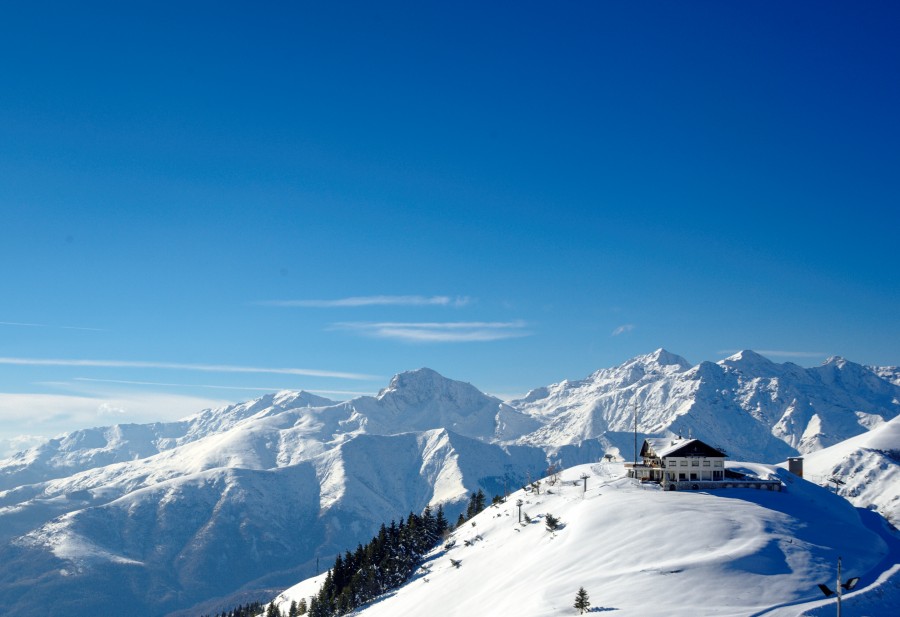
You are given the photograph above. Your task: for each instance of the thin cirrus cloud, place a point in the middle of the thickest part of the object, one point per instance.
(24, 324)
(439, 332)
(209, 386)
(623, 329)
(357, 301)
(209, 368)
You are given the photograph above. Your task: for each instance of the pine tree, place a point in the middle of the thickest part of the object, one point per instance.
(470, 508)
(582, 603)
(440, 522)
(551, 522)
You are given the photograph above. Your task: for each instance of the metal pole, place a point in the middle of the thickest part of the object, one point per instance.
(635, 434)
(839, 588)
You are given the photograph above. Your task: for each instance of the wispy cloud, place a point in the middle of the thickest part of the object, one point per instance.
(623, 329)
(209, 368)
(165, 384)
(44, 325)
(440, 332)
(357, 301)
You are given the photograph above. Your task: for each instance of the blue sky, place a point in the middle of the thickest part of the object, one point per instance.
(195, 194)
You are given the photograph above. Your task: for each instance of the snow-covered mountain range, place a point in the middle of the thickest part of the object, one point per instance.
(190, 515)
(751, 407)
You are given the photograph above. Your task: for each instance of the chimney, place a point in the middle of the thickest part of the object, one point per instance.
(795, 465)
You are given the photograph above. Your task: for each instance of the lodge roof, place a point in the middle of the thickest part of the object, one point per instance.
(662, 447)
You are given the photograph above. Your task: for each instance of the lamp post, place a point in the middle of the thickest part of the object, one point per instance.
(584, 477)
(850, 584)
(519, 504)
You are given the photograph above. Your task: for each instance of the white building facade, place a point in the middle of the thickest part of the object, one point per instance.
(674, 459)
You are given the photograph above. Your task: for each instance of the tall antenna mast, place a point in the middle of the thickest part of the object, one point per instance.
(635, 430)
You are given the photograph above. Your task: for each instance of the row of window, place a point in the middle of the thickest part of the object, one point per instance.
(694, 463)
(716, 475)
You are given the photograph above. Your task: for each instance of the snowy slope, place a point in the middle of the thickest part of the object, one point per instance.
(640, 551)
(868, 467)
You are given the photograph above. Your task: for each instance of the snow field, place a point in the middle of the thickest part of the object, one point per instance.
(640, 551)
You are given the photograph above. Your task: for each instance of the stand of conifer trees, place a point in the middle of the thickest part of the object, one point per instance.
(385, 563)
(245, 610)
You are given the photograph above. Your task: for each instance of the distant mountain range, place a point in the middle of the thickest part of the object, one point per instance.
(227, 504)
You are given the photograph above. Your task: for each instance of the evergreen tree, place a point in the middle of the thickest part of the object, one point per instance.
(314, 610)
(301, 607)
(476, 504)
(582, 603)
(551, 522)
(479, 501)
(293, 611)
(440, 522)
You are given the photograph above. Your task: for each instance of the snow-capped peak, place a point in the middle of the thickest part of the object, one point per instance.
(837, 361)
(748, 361)
(420, 381)
(424, 399)
(661, 358)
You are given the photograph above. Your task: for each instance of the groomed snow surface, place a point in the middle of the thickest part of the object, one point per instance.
(638, 550)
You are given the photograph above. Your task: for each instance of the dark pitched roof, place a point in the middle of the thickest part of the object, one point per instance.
(667, 446)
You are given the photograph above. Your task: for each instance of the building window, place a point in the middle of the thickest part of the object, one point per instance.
(695, 463)
(684, 463)
(706, 463)
(718, 463)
